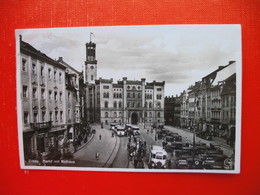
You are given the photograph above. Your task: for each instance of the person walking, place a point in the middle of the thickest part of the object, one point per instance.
(99, 136)
(97, 156)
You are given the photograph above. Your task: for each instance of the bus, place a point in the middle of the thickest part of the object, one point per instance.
(120, 130)
(135, 130)
(157, 158)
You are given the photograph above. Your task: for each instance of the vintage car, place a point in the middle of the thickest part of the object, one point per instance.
(205, 135)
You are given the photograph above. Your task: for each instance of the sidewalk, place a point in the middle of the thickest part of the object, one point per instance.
(107, 147)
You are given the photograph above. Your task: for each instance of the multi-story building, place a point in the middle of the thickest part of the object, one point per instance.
(184, 109)
(228, 117)
(129, 101)
(72, 100)
(177, 111)
(169, 110)
(42, 84)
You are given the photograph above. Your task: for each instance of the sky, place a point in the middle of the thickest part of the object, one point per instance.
(180, 55)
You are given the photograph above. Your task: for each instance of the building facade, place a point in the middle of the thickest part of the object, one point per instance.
(125, 101)
(49, 103)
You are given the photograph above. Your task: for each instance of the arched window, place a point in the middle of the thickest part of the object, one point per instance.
(106, 114)
(106, 104)
(120, 105)
(115, 104)
(150, 105)
(159, 105)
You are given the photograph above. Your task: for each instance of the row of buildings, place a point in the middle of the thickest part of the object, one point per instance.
(208, 105)
(58, 102)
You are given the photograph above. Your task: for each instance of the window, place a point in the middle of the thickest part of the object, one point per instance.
(150, 114)
(105, 87)
(115, 104)
(56, 116)
(92, 77)
(26, 118)
(34, 68)
(106, 114)
(61, 116)
(56, 95)
(150, 105)
(24, 67)
(159, 96)
(120, 114)
(43, 116)
(69, 96)
(50, 116)
(42, 93)
(133, 104)
(159, 89)
(128, 104)
(50, 95)
(49, 73)
(42, 70)
(54, 75)
(35, 117)
(115, 115)
(106, 104)
(159, 114)
(60, 75)
(138, 104)
(25, 91)
(139, 95)
(158, 105)
(128, 95)
(60, 96)
(120, 105)
(34, 93)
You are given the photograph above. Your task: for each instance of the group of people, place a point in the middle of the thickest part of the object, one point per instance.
(136, 151)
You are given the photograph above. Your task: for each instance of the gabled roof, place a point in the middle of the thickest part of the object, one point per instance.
(27, 49)
(229, 85)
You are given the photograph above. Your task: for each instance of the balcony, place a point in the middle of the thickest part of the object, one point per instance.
(42, 125)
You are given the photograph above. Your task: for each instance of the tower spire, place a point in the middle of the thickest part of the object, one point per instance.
(91, 33)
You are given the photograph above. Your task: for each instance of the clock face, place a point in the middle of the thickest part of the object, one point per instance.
(92, 67)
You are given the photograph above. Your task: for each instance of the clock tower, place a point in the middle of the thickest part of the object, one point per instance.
(90, 63)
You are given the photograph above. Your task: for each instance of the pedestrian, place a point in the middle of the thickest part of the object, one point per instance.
(99, 136)
(97, 156)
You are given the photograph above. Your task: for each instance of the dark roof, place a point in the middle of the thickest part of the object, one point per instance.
(229, 85)
(117, 86)
(154, 83)
(133, 82)
(27, 49)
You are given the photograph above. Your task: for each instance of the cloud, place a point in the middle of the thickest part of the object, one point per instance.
(178, 55)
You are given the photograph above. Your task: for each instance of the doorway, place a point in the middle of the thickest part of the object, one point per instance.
(134, 118)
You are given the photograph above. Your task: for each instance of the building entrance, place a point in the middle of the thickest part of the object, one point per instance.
(134, 118)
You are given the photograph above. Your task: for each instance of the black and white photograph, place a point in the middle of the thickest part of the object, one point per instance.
(162, 98)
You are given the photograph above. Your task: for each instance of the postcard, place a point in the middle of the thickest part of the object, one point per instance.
(163, 98)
